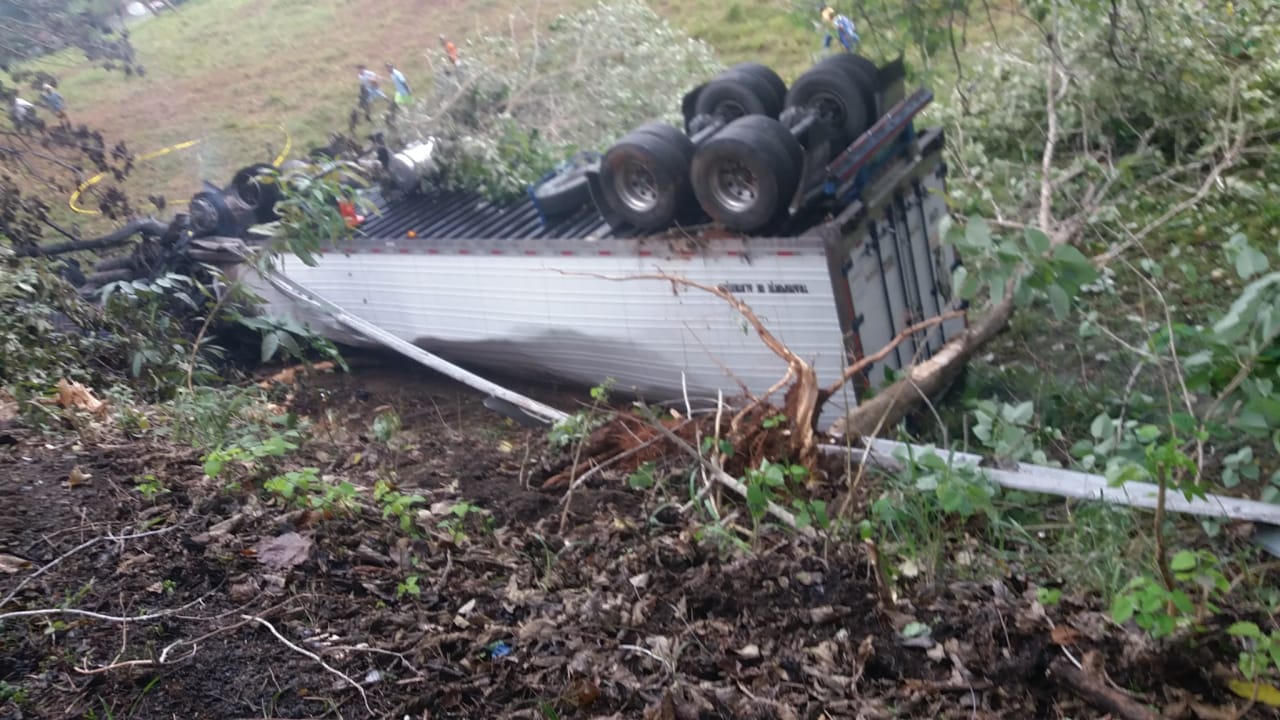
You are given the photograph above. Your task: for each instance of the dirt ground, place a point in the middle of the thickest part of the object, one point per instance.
(237, 607)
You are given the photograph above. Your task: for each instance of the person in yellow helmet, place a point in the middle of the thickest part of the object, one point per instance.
(844, 28)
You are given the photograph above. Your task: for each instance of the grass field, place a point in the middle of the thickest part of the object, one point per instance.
(234, 73)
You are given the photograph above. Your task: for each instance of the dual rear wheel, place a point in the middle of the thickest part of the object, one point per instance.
(745, 175)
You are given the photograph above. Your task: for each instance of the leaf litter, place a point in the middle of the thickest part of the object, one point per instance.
(635, 611)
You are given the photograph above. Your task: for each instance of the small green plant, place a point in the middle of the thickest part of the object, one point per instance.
(455, 525)
(385, 426)
(150, 486)
(575, 428)
(1048, 597)
(307, 489)
(774, 421)
(12, 693)
(643, 477)
(811, 513)
(409, 586)
(168, 586)
(767, 483)
(1160, 610)
(1264, 654)
(249, 452)
(1007, 430)
(396, 504)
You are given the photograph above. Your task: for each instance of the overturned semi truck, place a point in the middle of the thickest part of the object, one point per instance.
(817, 204)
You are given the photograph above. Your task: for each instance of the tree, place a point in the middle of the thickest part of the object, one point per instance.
(35, 28)
(1072, 150)
(44, 157)
(520, 104)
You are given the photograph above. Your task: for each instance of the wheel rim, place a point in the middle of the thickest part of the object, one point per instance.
(251, 192)
(204, 217)
(734, 186)
(730, 110)
(829, 107)
(636, 186)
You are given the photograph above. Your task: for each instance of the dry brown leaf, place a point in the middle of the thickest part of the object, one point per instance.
(8, 409)
(72, 394)
(289, 375)
(283, 552)
(582, 693)
(11, 564)
(1064, 635)
(77, 477)
(536, 629)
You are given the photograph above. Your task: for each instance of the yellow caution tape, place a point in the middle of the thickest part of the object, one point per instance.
(73, 202)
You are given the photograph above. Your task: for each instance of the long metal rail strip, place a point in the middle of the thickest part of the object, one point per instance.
(1069, 483)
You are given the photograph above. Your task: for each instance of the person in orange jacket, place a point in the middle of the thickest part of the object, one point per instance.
(450, 50)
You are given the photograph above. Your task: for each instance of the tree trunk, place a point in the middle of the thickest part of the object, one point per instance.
(924, 380)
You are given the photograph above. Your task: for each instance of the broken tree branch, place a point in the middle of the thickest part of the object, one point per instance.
(1230, 156)
(869, 360)
(925, 379)
(302, 651)
(114, 538)
(148, 225)
(1097, 694)
(803, 398)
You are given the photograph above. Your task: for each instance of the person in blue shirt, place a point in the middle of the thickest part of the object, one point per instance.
(844, 28)
(52, 99)
(403, 94)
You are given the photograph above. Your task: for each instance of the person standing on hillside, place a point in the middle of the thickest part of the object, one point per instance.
(450, 50)
(403, 95)
(369, 89)
(22, 114)
(844, 28)
(52, 99)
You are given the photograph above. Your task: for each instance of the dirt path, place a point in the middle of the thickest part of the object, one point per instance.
(487, 610)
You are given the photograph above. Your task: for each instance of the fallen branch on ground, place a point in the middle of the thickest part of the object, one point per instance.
(115, 538)
(1097, 694)
(364, 696)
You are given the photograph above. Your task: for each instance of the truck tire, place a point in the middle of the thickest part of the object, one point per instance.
(832, 94)
(689, 107)
(744, 177)
(780, 133)
(211, 216)
(863, 72)
(733, 95)
(670, 134)
(770, 78)
(261, 196)
(563, 193)
(644, 178)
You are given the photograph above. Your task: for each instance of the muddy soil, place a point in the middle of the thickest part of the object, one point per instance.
(209, 601)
